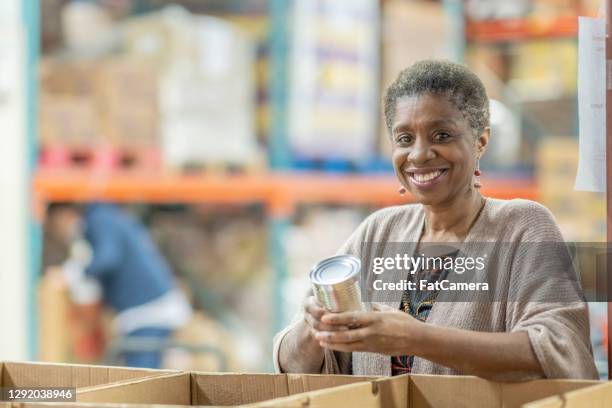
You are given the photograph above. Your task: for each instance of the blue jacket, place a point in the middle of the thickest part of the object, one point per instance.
(124, 258)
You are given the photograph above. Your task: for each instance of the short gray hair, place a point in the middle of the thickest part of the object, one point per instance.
(464, 89)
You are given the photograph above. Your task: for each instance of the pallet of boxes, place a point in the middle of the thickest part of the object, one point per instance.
(24, 385)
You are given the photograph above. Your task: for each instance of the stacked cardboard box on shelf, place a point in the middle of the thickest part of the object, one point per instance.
(97, 102)
(333, 74)
(207, 91)
(404, 26)
(580, 215)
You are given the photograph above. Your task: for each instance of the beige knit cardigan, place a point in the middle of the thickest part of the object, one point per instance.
(558, 332)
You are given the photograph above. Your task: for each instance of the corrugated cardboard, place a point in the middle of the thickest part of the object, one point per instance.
(598, 396)
(212, 389)
(165, 389)
(424, 391)
(298, 383)
(236, 389)
(443, 391)
(358, 395)
(22, 374)
(515, 395)
(293, 390)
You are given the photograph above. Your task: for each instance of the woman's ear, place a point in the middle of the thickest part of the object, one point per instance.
(483, 140)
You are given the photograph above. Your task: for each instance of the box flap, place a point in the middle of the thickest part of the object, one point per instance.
(84, 405)
(32, 374)
(394, 391)
(550, 402)
(236, 389)
(298, 383)
(358, 395)
(166, 389)
(448, 390)
(517, 394)
(597, 396)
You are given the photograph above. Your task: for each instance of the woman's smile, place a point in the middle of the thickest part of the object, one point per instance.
(426, 178)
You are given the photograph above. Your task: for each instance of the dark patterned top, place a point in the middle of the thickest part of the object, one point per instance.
(418, 304)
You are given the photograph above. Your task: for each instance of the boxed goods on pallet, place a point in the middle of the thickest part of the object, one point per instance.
(543, 70)
(101, 101)
(333, 76)
(127, 93)
(403, 26)
(68, 120)
(580, 215)
(207, 89)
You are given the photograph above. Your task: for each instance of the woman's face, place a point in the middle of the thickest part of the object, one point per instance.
(434, 148)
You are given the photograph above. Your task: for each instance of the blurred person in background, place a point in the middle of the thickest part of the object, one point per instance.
(113, 259)
(437, 116)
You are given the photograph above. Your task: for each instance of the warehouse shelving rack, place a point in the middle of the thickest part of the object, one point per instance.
(280, 190)
(521, 29)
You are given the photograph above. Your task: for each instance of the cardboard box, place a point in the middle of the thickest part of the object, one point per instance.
(288, 390)
(111, 100)
(68, 120)
(212, 389)
(32, 375)
(296, 390)
(126, 92)
(425, 391)
(598, 396)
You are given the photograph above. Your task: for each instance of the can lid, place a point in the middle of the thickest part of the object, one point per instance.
(335, 269)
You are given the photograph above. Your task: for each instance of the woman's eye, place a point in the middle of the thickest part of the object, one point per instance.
(442, 137)
(404, 139)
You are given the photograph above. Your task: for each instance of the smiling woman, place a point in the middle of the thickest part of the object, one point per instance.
(437, 115)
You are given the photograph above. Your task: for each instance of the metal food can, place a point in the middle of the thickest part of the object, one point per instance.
(335, 283)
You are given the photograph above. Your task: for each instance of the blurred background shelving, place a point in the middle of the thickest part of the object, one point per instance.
(218, 123)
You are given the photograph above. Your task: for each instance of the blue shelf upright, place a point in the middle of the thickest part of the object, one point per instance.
(280, 157)
(31, 23)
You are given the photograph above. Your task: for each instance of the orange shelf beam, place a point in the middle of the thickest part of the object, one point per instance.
(515, 30)
(280, 192)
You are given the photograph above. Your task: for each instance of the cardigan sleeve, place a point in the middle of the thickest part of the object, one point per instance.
(546, 301)
(335, 362)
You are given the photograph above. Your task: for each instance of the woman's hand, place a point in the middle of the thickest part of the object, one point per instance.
(385, 331)
(313, 313)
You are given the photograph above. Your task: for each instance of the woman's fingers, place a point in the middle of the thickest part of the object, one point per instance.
(347, 336)
(351, 319)
(348, 347)
(318, 325)
(312, 307)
